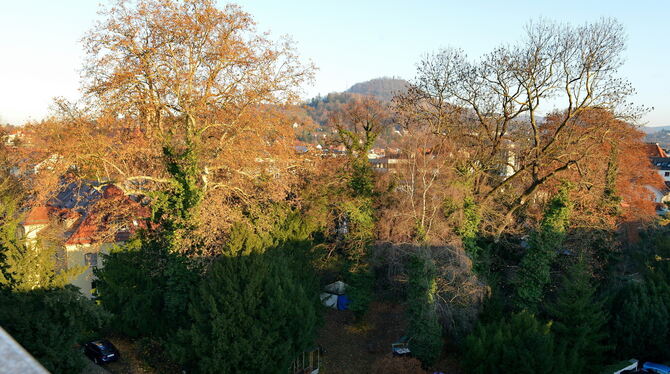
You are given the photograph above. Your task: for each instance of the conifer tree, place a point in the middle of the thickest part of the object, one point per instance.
(32, 265)
(44, 315)
(25, 264)
(522, 345)
(251, 314)
(640, 309)
(579, 321)
(360, 280)
(640, 321)
(49, 323)
(146, 288)
(24, 267)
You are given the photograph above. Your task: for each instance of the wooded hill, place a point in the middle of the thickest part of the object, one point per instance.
(383, 89)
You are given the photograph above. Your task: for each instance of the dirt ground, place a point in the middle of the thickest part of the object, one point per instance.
(352, 348)
(127, 364)
(92, 368)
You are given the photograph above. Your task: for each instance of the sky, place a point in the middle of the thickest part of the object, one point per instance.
(349, 41)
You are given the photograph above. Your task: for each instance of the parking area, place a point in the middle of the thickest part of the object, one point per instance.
(128, 364)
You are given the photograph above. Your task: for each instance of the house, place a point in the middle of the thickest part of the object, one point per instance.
(661, 161)
(508, 156)
(36, 220)
(393, 158)
(92, 219)
(389, 162)
(14, 138)
(662, 165)
(655, 150)
(376, 153)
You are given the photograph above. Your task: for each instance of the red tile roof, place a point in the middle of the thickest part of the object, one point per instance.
(84, 232)
(655, 150)
(92, 228)
(112, 191)
(94, 223)
(38, 215)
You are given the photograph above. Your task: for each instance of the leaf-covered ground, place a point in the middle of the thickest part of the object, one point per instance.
(353, 348)
(128, 364)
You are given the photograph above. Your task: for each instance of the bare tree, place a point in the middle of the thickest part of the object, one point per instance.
(358, 123)
(495, 106)
(186, 67)
(182, 84)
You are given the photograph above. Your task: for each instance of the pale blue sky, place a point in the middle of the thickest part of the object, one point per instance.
(350, 41)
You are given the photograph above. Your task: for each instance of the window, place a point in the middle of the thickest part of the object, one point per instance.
(91, 259)
(94, 289)
(667, 173)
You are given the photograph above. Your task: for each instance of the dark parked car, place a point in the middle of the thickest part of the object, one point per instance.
(101, 351)
(651, 367)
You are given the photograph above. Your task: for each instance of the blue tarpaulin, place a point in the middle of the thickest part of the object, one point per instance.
(343, 302)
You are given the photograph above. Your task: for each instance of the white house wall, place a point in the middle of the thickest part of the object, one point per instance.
(665, 174)
(76, 257)
(29, 232)
(659, 197)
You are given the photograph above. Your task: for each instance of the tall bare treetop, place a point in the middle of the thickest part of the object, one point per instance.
(495, 106)
(187, 62)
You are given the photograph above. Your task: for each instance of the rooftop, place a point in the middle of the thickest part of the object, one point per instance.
(15, 359)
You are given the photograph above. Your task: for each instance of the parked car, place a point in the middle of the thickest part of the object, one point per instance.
(101, 351)
(647, 368)
(651, 367)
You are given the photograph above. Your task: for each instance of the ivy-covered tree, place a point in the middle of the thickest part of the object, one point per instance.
(252, 313)
(544, 244)
(424, 329)
(358, 123)
(579, 321)
(611, 200)
(174, 206)
(146, 283)
(521, 344)
(469, 230)
(359, 214)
